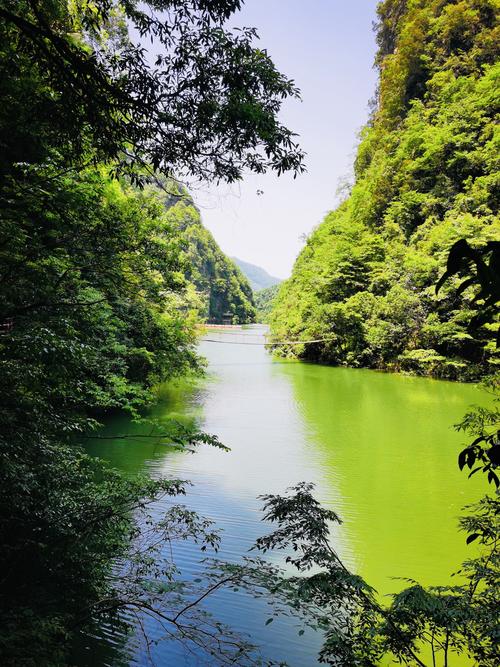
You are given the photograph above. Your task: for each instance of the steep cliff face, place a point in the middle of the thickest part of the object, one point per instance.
(222, 291)
(426, 175)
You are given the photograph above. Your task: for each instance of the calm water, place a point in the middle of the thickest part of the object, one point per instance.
(380, 448)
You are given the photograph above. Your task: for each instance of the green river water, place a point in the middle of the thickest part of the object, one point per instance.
(380, 448)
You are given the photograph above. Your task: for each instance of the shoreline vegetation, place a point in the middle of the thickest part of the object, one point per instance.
(96, 307)
(104, 278)
(425, 176)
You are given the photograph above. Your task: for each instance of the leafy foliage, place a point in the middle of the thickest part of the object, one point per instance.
(480, 269)
(426, 176)
(219, 284)
(207, 106)
(86, 267)
(95, 307)
(483, 268)
(264, 300)
(420, 626)
(483, 454)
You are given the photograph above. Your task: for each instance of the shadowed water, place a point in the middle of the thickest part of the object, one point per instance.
(380, 448)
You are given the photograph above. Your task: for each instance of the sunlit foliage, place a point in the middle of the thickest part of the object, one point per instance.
(96, 305)
(426, 175)
(264, 300)
(221, 287)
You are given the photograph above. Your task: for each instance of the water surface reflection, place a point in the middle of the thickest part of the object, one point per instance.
(380, 448)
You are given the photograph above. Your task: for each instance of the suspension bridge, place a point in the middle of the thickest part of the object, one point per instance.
(237, 335)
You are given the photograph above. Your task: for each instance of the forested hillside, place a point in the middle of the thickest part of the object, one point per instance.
(426, 175)
(220, 286)
(264, 300)
(258, 277)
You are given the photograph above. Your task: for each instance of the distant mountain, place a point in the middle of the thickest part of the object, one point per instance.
(256, 276)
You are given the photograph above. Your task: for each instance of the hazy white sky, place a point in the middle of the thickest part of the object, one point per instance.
(327, 47)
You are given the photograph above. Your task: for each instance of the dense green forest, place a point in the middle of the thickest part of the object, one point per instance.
(106, 269)
(221, 287)
(426, 175)
(95, 306)
(264, 300)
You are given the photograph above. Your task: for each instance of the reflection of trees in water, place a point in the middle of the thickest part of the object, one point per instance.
(383, 444)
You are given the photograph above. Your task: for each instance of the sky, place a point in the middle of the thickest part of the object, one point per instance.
(328, 48)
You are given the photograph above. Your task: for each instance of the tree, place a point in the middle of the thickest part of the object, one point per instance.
(421, 626)
(479, 268)
(426, 170)
(207, 106)
(94, 307)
